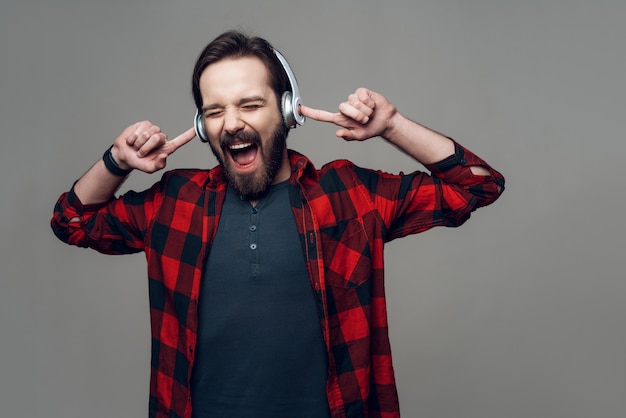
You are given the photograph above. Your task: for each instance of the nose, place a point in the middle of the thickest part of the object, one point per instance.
(232, 121)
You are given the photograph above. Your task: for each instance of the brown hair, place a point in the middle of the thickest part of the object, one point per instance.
(235, 44)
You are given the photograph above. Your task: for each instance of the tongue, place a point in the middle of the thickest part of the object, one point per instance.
(245, 156)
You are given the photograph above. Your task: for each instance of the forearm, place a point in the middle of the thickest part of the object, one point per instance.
(422, 143)
(97, 185)
(419, 142)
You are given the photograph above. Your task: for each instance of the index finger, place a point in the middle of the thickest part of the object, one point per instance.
(182, 139)
(316, 114)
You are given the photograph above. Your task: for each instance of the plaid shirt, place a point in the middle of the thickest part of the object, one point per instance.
(344, 215)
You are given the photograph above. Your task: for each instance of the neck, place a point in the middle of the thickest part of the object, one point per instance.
(284, 172)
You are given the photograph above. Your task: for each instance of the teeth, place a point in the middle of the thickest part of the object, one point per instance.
(240, 146)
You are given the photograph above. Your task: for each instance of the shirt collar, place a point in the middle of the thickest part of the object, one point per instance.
(301, 167)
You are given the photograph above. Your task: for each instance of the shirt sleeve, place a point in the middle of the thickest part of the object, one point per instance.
(414, 202)
(115, 227)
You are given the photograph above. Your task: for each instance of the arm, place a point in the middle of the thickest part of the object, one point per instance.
(367, 114)
(140, 146)
(460, 181)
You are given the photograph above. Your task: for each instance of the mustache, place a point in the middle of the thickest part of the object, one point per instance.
(228, 139)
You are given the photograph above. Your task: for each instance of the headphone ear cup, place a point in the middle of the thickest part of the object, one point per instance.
(286, 107)
(198, 124)
(291, 99)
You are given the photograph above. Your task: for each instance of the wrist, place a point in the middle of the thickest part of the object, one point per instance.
(395, 125)
(112, 165)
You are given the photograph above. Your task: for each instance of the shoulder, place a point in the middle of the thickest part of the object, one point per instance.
(195, 175)
(190, 179)
(336, 177)
(302, 163)
(349, 172)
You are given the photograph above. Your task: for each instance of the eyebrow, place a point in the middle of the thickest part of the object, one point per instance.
(243, 101)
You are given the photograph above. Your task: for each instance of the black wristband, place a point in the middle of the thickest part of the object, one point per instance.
(111, 164)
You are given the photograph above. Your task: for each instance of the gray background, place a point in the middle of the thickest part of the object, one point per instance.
(519, 313)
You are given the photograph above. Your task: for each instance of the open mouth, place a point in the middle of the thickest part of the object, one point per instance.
(243, 153)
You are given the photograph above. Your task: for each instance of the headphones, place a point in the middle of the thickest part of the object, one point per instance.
(290, 102)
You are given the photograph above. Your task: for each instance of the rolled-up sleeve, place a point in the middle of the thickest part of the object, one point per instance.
(114, 227)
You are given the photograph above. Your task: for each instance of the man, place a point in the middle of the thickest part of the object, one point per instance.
(266, 274)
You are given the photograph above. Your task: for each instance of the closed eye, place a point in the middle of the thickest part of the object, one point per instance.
(247, 104)
(252, 103)
(213, 113)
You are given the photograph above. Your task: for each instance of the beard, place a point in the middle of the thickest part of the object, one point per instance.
(253, 186)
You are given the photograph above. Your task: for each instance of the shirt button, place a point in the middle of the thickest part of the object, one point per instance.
(253, 246)
(254, 210)
(252, 228)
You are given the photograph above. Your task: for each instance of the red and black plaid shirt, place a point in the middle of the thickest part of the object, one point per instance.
(344, 215)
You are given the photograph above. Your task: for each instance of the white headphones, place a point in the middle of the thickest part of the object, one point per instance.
(290, 102)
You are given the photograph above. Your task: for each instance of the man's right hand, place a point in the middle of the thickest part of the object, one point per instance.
(144, 147)
(141, 146)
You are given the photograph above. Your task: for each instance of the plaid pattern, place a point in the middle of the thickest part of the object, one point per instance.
(344, 215)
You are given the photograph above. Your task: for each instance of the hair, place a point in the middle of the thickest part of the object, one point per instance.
(236, 44)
